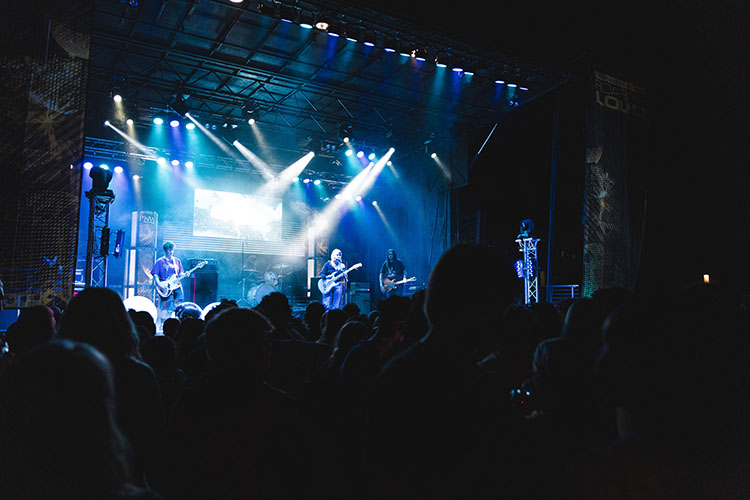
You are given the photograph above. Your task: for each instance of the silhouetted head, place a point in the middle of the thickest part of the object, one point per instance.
(330, 322)
(160, 353)
(57, 423)
(275, 306)
(35, 325)
(238, 341)
(98, 317)
(468, 291)
(390, 255)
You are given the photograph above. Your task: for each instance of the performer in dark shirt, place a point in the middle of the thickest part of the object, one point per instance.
(170, 294)
(391, 271)
(335, 298)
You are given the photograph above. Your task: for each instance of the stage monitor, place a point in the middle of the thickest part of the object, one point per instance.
(222, 214)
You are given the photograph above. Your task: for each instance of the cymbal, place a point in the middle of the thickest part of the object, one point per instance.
(280, 266)
(250, 271)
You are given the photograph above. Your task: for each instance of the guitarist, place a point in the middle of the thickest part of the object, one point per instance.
(391, 271)
(336, 297)
(163, 269)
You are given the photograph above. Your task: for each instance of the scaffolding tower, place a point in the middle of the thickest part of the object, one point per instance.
(97, 248)
(527, 246)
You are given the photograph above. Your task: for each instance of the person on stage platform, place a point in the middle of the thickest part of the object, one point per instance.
(170, 293)
(336, 297)
(392, 271)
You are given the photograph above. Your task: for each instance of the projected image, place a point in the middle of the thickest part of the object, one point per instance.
(233, 215)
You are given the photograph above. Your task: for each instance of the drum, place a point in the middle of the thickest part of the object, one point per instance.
(256, 293)
(270, 278)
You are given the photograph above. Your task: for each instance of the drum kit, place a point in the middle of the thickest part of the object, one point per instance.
(263, 283)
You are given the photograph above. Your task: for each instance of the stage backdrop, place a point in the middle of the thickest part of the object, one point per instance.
(615, 182)
(42, 105)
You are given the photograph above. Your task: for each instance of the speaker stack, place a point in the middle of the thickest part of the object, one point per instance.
(203, 283)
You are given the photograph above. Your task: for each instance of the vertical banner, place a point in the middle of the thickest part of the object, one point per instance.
(614, 186)
(42, 107)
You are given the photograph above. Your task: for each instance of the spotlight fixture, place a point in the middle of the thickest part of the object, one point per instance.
(335, 29)
(390, 44)
(190, 126)
(287, 14)
(179, 105)
(101, 177)
(117, 98)
(118, 169)
(174, 123)
(368, 38)
(158, 120)
(306, 20)
(129, 121)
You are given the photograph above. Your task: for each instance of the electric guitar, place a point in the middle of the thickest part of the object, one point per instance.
(389, 284)
(325, 285)
(169, 285)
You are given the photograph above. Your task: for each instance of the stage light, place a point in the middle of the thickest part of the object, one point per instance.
(189, 164)
(374, 203)
(158, 121)
(358, 198)
(118, 169)
(346, 140)
(190, 126)
(500, 82)
(390, 45)
(129, 121)
(306, 20)
(519, 268)
(174, 123)
(321, 25)
(368, 38)
(119, 240)
(104, 166)
(360, 154)
(349, 152)
(433, 155)
(523, 88)
(87, 165)
(371, 156)
(175, 163)
(136, 177)
(251, 121)
(512, 85)
(457, 69)
(335, 30)
(117, 98)
(307, 181)
(316, 182)
(101, 177)
(295, 179)
(179, 105)
(161, 161)
(287, 14)
(337, 196)
(106, 123)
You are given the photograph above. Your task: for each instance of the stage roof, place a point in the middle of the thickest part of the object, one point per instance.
(230, 62)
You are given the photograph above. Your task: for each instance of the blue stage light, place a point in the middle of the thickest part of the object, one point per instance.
(118, 169)
(174, 123)
(158, 121)
(519, 268)
(87, 165)
(190, 126)
(317, 182)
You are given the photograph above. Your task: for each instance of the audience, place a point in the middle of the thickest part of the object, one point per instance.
(58, 429)
(455, 392)
(97, 316)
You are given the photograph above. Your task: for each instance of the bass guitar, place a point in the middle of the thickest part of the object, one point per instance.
(325, 285)
(169, 285)
(389, 284)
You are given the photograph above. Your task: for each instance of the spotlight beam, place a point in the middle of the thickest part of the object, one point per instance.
(262, 167)
(281, 183)
(361, 183)
(149, 153)
(222, 145)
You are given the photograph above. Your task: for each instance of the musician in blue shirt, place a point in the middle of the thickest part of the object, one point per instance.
(335, 298)
(164, 268)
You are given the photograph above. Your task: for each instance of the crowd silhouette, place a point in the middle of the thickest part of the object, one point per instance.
(456, 392)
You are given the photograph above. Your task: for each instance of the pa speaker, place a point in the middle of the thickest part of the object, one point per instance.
(202, 287)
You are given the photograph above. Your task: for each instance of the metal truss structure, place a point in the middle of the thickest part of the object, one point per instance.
(527, 246)
(230, 62)
(97, 249)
